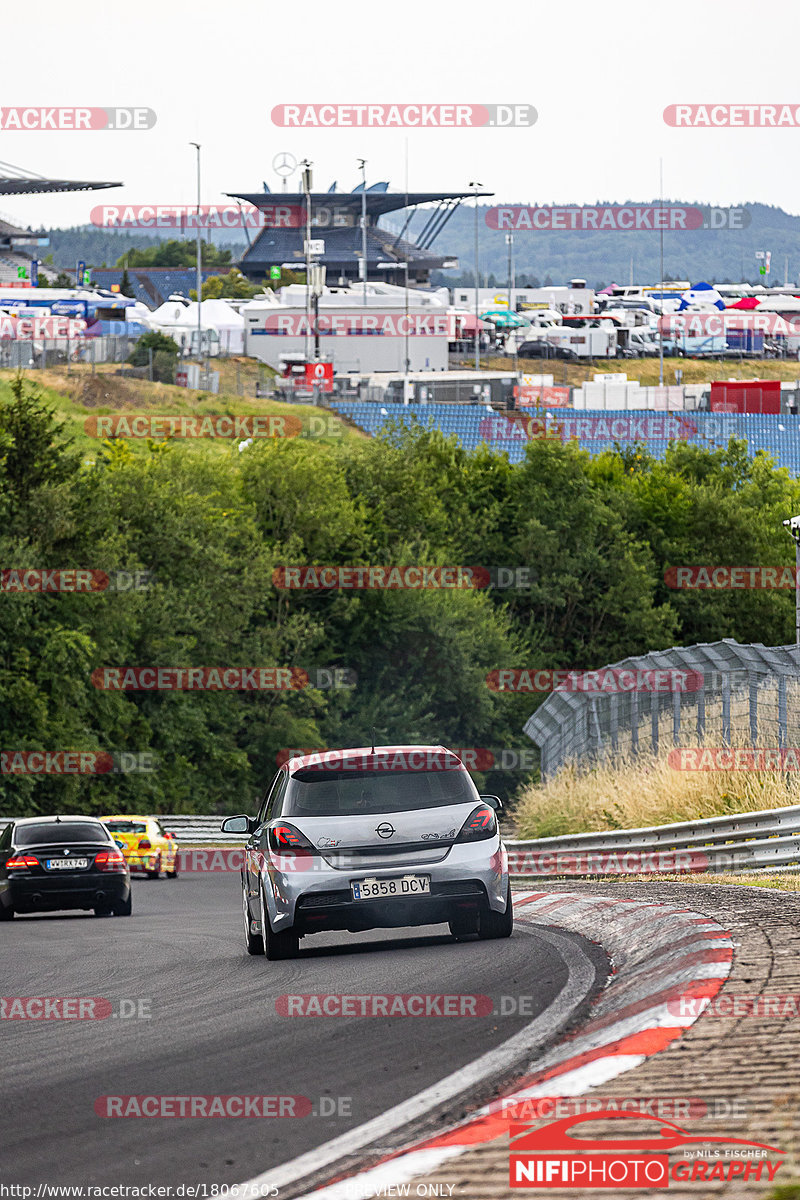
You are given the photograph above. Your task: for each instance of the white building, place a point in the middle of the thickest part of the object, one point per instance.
(358, 332)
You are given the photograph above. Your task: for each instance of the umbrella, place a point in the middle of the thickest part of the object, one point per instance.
(463, 322)
(504, 319)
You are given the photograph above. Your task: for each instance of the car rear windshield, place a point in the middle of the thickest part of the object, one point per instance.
(126, 826)
(313, 793)
(59, 831)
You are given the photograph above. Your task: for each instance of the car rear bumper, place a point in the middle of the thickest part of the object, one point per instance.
(472, 877)
(318, 911)
(43, 893)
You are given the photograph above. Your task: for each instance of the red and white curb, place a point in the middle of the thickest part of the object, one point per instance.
(661, 956)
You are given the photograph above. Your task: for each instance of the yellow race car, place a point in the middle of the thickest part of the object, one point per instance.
(145, 844)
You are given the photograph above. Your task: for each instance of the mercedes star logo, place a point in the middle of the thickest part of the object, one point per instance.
(284, 164)
(385, 830)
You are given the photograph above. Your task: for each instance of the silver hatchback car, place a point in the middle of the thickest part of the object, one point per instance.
(372, 838)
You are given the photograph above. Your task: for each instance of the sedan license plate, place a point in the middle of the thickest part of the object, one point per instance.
(376, 889)
(66, 864)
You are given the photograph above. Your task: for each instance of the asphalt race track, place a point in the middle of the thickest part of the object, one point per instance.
(213, 1029)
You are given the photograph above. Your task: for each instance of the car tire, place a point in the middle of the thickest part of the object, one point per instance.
(253, 941)
(276, 945)
(6, 912)
(461, 927)
(102, 910)
(123, 908)
(172, 874)
(498, 925)
(156, 871)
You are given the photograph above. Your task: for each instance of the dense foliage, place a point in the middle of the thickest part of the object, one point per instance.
(597, 535)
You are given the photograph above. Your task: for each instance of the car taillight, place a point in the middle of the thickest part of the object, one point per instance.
(285, 838)
(109, 860)
(145, 844)
(481, 823)
(22, 862)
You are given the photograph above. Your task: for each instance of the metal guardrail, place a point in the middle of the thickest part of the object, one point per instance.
(768, 840)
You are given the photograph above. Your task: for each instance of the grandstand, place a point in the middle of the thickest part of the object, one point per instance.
(17, 263)
(776, 434)
(336, 219)
(16, 182)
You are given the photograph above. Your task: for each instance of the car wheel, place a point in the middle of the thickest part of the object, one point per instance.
(6, 912)
(173, 874)
(156, 871)
(253, 941)
(123, 908)
(276, 945)
(102, 910)
(498, 925)
(464, 926)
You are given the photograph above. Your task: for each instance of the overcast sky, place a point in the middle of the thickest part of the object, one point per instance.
(599, 72)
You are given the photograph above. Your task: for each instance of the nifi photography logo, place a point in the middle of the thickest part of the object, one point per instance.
(551, 1156)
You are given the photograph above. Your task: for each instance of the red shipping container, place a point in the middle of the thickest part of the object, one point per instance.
(746, 396)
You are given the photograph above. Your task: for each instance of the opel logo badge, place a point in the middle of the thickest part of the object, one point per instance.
(385, 830)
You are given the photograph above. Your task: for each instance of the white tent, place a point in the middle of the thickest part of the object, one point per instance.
(223, 323)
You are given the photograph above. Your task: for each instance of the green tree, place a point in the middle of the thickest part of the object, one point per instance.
(234, 285)
(175, 253)
(125, 285)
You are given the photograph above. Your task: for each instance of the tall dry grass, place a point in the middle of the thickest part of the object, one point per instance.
(628, 793)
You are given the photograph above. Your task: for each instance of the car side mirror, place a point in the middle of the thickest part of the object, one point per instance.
(494, 802)
(240, 824)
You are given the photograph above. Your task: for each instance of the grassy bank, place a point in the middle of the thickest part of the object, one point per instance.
(632, 793)
(79, 395)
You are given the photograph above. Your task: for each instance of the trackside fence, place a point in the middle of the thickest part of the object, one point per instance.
(766, 841)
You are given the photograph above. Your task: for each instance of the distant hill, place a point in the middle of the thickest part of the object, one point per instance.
(613, 257)
(599, 258)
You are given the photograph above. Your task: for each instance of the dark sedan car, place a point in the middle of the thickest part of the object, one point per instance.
(534, 349)
(50, 863)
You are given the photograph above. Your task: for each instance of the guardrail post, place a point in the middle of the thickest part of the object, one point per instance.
(726, 709)
(754, 709)
(701, 711)
(613, 720)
